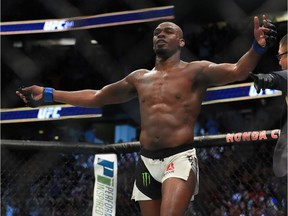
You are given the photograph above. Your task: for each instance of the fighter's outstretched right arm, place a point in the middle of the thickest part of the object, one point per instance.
(117, 92)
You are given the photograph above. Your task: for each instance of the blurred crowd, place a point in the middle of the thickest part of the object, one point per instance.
(229, 185)
(234, 180)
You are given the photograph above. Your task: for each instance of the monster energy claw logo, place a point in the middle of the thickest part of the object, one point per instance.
(146, 179)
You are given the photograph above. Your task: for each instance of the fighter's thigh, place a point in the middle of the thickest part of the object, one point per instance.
(176, 194)
(150, 207)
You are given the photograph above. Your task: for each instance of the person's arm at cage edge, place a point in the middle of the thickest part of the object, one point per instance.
(274, 80)
(264, 37)
(124, 90)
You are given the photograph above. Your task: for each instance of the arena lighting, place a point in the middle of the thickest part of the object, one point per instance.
(51, 42)
(281, 17)
(18, 44)
(94, 42)
(56, 42)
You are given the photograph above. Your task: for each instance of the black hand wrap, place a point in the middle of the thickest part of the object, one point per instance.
(46, 98)
(30, 101)
(272, 34)
(263, 81)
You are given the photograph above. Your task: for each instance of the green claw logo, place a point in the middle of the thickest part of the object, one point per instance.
(146, 179)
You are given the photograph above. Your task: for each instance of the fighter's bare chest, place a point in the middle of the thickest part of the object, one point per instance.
(163, 85)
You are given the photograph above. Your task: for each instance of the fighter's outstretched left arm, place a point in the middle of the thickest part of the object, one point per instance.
(264, 37)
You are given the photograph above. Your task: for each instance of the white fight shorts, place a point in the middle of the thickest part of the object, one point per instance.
(154, 167)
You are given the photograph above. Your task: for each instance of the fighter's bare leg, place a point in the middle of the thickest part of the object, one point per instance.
(176, 195)
(150, 207)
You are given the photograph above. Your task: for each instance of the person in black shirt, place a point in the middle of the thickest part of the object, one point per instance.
(277, 80)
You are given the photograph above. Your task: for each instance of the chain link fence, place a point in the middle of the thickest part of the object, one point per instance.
(234, 180)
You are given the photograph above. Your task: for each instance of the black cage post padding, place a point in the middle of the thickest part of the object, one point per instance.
(125, 147)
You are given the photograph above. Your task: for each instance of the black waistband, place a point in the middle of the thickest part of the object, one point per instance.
(167, 152)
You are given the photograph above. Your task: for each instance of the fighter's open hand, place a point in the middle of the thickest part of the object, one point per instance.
(32, 95)
(265, 35)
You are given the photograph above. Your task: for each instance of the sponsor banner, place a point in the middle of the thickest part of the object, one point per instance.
(252, 136)
(48, 113)
(105, 187)
(236, 92)
(87, 22)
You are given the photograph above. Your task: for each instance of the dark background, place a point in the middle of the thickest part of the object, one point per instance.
(219, 31)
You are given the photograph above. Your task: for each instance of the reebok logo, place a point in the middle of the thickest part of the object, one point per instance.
(170, 167)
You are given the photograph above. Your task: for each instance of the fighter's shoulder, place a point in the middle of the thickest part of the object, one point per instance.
(199, 65)
(136, 74)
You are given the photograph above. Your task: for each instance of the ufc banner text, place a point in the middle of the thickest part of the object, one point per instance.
(105, 187)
